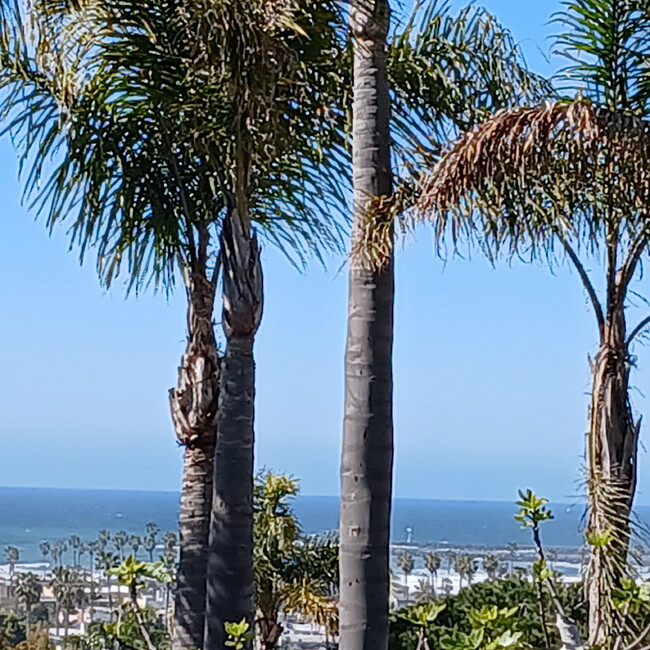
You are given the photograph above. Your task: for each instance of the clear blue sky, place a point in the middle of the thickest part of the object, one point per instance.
(491, 365)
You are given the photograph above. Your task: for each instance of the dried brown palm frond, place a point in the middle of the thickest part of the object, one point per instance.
(530, 173)
(372, 239)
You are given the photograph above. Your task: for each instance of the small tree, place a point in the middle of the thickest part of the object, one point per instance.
(132, 574)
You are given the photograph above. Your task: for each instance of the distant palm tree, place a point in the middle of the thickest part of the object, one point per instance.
(491, 564)
(63, 585)
(432, 563)
(45, 549)
(170, 544)
(12, 556)
(151, 539)
(451, 560)
(81, 551)
(424, 592)
(28, 592)
(57, 553)
(447, 586)
(92, 548)
(75, 545)
(107, 560)
(406, 563)
(397, 590)
(103, 537)
(149, 545)
(513, 548)
(465, 567)
(120, 540)
(135, 541)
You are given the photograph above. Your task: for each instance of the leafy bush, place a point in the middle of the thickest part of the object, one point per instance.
(124, 632)
(509, 592)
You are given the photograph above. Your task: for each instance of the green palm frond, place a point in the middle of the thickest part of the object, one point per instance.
(130, 130)
(306, 598)
(448, 72)
(607, 44)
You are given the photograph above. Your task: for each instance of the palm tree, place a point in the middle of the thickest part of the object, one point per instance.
(82, 550)
(120, 541)
(451, 560)
(432, 563)
(28, 592)
(465, 567)
(150, 539)
(293, 574)
(170, 547)
(93, 548)
(574, 179)
(406, 563)
(443, 76)
(149, 545)
(63, 588)
(75, 545)
(424, 591)
(135, 542)
(492, 566)
(57, 553)
(12, 557)
(513, 549)
(44, 548)
(107, 560)
(263, 63)
(367, 455)
(103, 537)
(180, 174)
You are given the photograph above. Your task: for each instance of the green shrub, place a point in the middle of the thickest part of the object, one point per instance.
(508, 592)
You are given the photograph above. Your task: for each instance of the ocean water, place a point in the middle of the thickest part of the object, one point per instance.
(29, 516)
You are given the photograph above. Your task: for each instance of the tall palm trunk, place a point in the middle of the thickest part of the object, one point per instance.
(230, 586)
(194, 406)
(367, 456)
(612, 458)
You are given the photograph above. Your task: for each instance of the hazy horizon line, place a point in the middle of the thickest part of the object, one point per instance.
(569, 502)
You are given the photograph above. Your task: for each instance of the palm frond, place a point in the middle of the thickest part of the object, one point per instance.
(607, 45)
(129, 131)
(449, 72)
(531, 173)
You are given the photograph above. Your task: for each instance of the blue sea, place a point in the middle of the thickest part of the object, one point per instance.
(29, 516)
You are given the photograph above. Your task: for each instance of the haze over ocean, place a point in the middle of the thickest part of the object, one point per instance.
(31, 515)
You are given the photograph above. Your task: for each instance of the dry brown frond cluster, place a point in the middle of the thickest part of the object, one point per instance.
(372, 240)
(529, 173)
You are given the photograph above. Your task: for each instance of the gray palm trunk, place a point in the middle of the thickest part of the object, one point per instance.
(367, 456)
(230, 584)
(194, 406)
